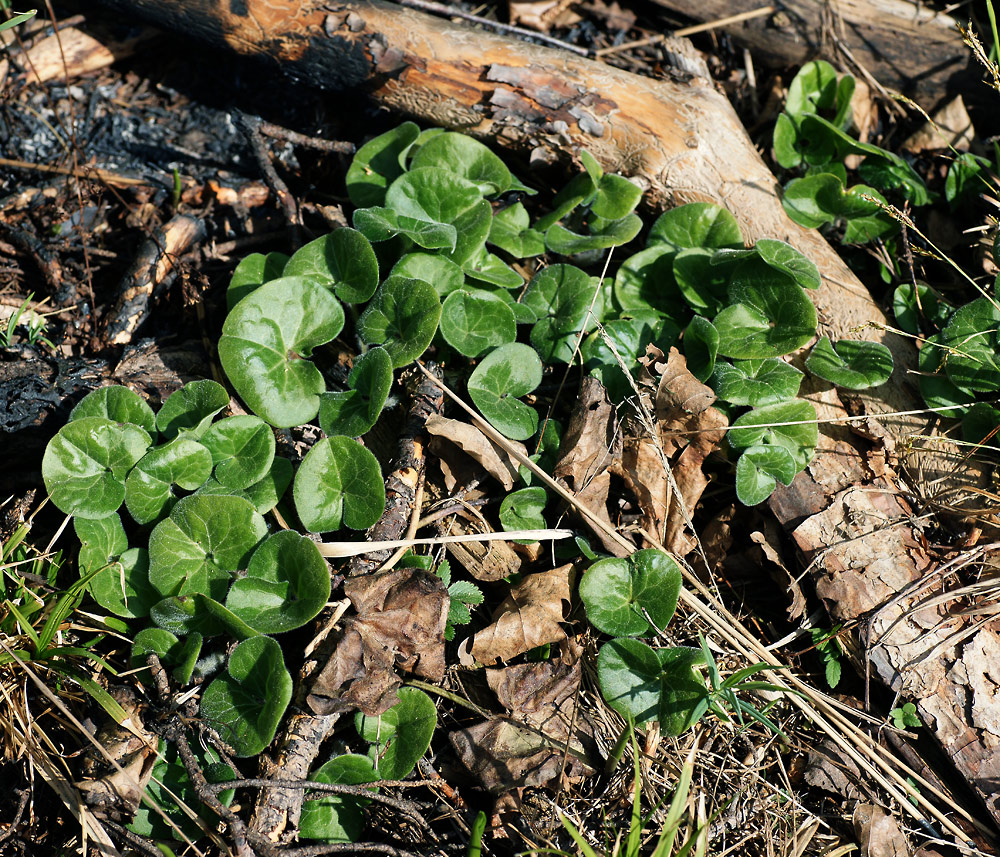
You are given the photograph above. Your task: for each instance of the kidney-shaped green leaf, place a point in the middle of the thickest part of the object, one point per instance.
(756, 382)
(401, 735)
(377, 164)
(466, 157)
(203, 541)
(474, 321)
(191, 409)
(149, 493)
(851, 364)
(354, 411)
(246, 705)
(511, 232)
(85, 465)
(788, 424)
(696, 224)
(504, 374)
(683, 692)
(432, 268)
(628, 672)
(253, 271)
(618, 592)
(337, 818)
(403, 317)
(121, 584)
(339, 483)
(242, 450)
(286, 585)
(118, 404)
(432, 194)
(758, 469)
(381, 224)
(344, 259)
(263, 495)
(266, 340)
(971, 340)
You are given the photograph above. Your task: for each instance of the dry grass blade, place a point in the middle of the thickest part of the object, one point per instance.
(344, 549)
(886, 770)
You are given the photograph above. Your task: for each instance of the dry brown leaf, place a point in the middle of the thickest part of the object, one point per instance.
(448, 434)
(527, 618)
(542, 15)
(768, 541)
(401, 617)
(951, 128)
(878, 833)
(590, 450)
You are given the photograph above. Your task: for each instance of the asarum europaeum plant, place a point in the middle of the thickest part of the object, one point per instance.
(434, 257)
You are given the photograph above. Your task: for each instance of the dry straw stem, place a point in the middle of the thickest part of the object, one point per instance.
(886, 770)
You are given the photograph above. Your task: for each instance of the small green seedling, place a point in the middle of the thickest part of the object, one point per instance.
(906, 717)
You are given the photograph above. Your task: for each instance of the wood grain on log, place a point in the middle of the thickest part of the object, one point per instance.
(906, 46)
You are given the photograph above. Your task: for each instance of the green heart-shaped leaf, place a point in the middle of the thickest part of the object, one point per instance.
(814, 88)
(617, 593)
(253, 271)
(788, 424)
(702, 284)
(696, 224)
(701, 347)
(612, 233)
(401, 735)
(500, 378)
(629, 675)
(466, 157)
(402, 317)
(472, 322)
(683, 693)
(523, 510)
(191, 409)
(266, 341)
(337, 818)
(645, 281)
(85, 465)
(149, 493)
(202, 543)
(246, 705)
(756, 382)
(758, 468)
(511, 232)
(851, 364)
(242, 450)
(344, 259)
(121, 584)
(381, 224)
(354, 411)
(440, 272)
(432, 194)
(287, 583)
(616, 197)
(338, 483)
(936, 388)
(263, 495)
(118, 404)
(971, 340)
(377, 164)
(920, 308)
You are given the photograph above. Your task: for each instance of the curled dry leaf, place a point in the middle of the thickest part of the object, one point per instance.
(449, 436)
(689, 429)
(528, 747)
(878, 833)
(590, 451)
(527, 618)
(400, 621)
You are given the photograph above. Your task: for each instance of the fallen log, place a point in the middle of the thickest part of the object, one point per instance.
(684, 143)
(907, 46)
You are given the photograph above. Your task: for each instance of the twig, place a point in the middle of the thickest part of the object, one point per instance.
(338, 147)
(133, 839)
(84, 172)
(452, 12)
(348, 848)
(22, 803)
(250, 126)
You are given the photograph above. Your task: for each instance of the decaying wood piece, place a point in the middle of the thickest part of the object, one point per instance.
(67, 55)
(907, 46)
(682, 142)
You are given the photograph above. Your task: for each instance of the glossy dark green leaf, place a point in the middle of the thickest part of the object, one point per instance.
(246, 705)
(343, 260)
(242, 449)
(432, 194)
(118, 404)
(121, 584)
(177, 656)
(628, 673)
(702, 284)
(489, 268)
(788, 424)
(378, 163)
(381, 224)
(85, 465)
(337, 818)
(263, 495)
(266, 342)
(191, 409)
(759, 469)
(203, 542)
(851, 364)
(979, 425)
(253, 271)
(523, 510)
(936, 388)
(645, 281)
(683, 692)
(616, 197)
(696, 224)
(402, 317)
(432, 268)
(286, 584)
(495, 386)
(466, 157)
(965, 177)
(473, 322)
(756, 382)
(339, 483)
(401, 735)
(619, 593)
(355, 410)
(971, 340)
(149, 489)
(472, 228)
(614, 233)
(814, 88)
(919, 309)
(511, 232)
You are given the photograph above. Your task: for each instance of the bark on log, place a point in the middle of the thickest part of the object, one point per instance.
(907, 47)
(684, 143)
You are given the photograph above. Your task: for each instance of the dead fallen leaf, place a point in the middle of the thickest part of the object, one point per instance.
(951, 129)
(689, 430)
(591, 448)
(527, 618)
(542, 15)
(832, 771)
(448, 434)
(878, 833)
(400, 621)
(768, 541)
